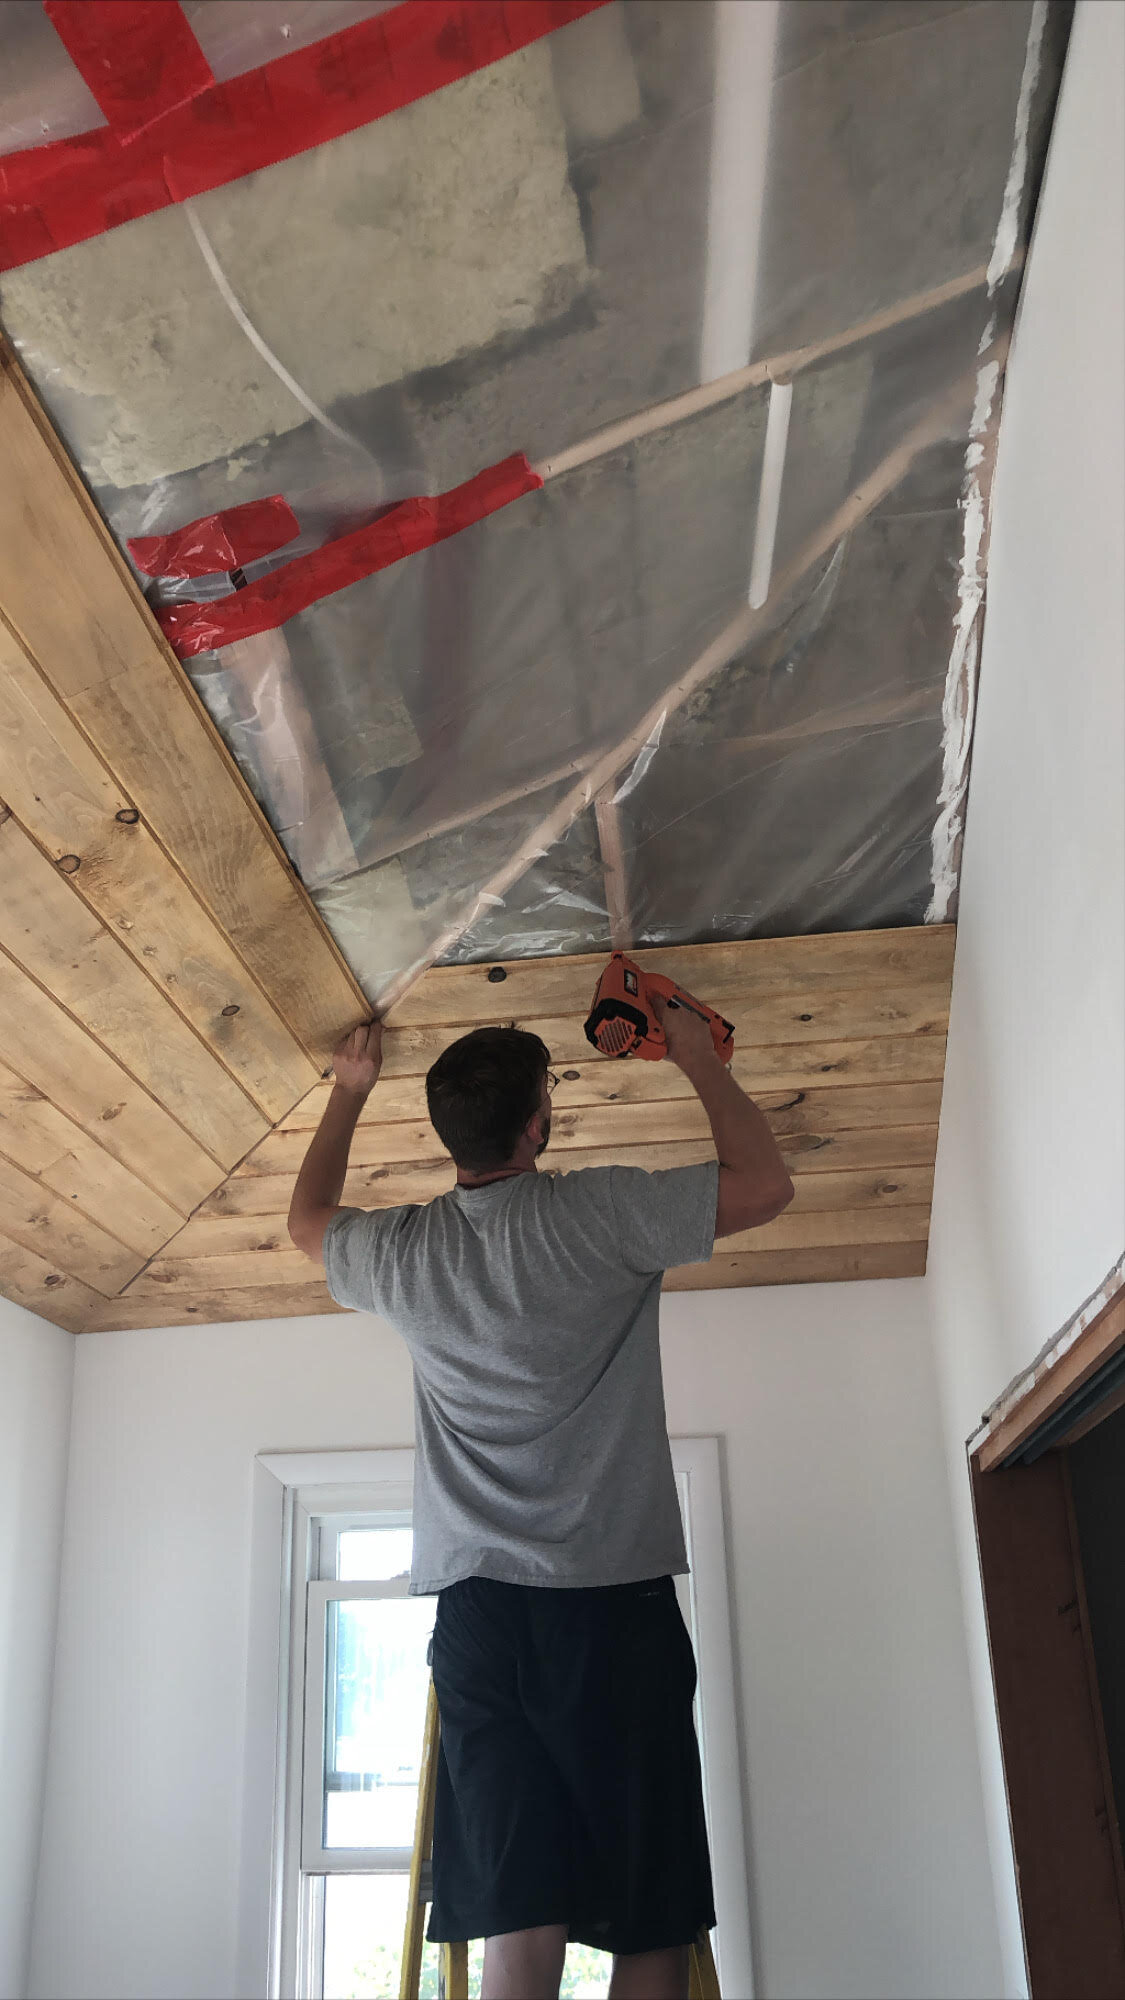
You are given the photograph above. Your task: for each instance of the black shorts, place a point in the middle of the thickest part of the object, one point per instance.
(568, 1784)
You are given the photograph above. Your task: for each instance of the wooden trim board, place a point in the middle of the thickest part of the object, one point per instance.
(1104, 1337)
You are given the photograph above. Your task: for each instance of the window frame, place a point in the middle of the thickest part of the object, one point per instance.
(281, 1905)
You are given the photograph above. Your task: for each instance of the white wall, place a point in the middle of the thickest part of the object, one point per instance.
(864, 1811)
(1029, 1205)
(36, 1362)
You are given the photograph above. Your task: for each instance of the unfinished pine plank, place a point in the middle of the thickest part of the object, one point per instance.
(64, 796)
(787, 1066)
(46, 1143)
(47, 929)
(745, 974)
(53, 1052)
(33, 1216)
(226, 1232)
(812, 1014)
(597, 1125)
(772, 1267)
(76, 608)
(252, 1269)
(189, 792)
(31, 1281)
(267, 1195)
(258, 1270)
(196, 1308)
(835, 1228)
(800, 1267)
(59, 582)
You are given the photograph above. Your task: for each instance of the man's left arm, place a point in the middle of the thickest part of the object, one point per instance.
(320, 1183)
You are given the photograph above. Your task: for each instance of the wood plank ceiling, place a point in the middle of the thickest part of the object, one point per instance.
(169, 996)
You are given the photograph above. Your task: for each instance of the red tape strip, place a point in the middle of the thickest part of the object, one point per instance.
(216, 542)
(139, 57)
(52, 196)
(414, 524)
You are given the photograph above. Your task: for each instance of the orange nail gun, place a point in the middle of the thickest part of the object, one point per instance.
(623, 1020)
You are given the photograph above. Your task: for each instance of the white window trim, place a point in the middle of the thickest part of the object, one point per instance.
(288, 1488)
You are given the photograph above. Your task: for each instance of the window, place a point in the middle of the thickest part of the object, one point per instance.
(353, 1677)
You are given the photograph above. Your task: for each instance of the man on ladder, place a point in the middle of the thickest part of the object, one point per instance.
(568, 1793)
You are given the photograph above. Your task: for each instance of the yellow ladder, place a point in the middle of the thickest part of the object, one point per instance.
(453, 1960)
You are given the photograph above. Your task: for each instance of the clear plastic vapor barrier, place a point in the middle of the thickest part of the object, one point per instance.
(712, 674)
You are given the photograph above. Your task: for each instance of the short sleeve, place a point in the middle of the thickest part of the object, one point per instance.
(356, 1243)
(666, 1218)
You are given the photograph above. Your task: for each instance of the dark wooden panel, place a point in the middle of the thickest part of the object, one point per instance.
(1073, 1922)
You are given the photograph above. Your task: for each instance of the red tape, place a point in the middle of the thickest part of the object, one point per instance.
(414, 524)
(216, 542)
(52, 196)
(138, 57)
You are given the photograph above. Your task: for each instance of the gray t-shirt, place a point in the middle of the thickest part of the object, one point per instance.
(530, 1308)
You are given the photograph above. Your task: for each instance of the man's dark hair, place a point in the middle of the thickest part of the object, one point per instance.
(481, 1093)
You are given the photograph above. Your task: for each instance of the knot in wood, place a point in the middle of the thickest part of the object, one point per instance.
(70, 864)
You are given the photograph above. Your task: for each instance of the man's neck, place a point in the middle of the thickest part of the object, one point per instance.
(502, 1174)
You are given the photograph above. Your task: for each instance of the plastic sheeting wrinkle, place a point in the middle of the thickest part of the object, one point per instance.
(222, 286)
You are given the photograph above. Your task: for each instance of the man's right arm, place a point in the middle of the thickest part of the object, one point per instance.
(754, 1183)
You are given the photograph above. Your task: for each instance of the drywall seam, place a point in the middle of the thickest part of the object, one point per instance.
(1052, 1353)
(1005, 241)
(958, 706)
(959, 702)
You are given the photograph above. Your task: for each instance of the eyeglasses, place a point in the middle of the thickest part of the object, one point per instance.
(552, 1081)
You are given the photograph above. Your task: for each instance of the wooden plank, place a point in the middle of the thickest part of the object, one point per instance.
(274, 1265)
(219, 1231)
(256, 1190)
(45, 1142)
(743, 973)
(814, 1015)
(774, 1267)
(825, 1228)
(47, 929)
(77, 610)
(51, 1051)
(170, 1307)
(59, 582)
(814, 1114)
(57, 1231)
(187, 789)
(800, 1267)
(1100, 1340)
(909, 1059)
(252, 1269)
(196, 1308)
(64, 796)
(31, 1281)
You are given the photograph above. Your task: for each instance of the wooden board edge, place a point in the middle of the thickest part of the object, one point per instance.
(814, 1266)
(1103, 1338)
(126, 1315)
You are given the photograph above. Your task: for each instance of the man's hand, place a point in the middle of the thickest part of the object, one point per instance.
(688, 1036)
(359, 1058)
(320, 1183)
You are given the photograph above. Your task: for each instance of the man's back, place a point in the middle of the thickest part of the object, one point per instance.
(530, 1307)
